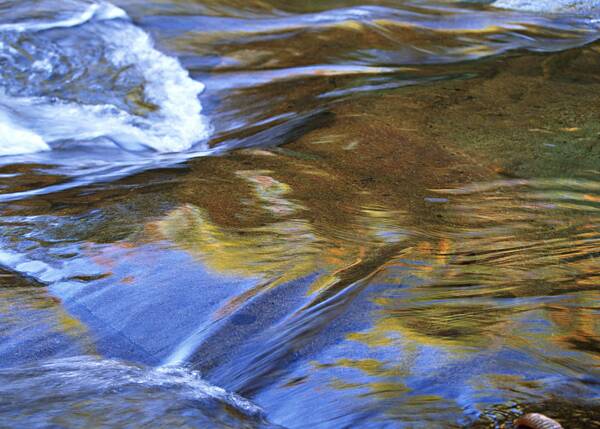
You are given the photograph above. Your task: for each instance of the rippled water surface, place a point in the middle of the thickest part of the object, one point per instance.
(325, 214)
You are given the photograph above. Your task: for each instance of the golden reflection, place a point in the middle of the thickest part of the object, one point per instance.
(348, 213)
(577, 325)
(30, 310)
(476, 290)
(286, 248)
(282, 246)
(451, 270)
(367, 35)
(289, 217)
(382, 204)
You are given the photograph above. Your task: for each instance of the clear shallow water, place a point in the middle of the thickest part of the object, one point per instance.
(84, 82)
(79, 392)
(352, 266)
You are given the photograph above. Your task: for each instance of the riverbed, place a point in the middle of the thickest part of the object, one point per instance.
(267, 213)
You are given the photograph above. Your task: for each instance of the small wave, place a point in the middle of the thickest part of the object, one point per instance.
(522, 237)
(22, 140)
(104, 11)
(169, 117)
(85, 390)
(552, 6)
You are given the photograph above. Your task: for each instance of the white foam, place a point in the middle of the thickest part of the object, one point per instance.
(185, 350)
(15, 140)
(31, 124)
(168, 85)
(38, 270)
(92, 377)
(101, 11)
(552, 6)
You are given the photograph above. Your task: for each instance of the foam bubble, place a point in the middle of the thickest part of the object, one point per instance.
(15, 140)
(173, 124)
(552, 6)
(168, 85)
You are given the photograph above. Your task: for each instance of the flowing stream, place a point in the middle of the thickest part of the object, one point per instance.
(324, 214)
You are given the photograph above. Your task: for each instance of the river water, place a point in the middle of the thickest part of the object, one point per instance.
(267, 213)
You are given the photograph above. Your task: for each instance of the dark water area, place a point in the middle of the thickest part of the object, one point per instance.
(332, 214)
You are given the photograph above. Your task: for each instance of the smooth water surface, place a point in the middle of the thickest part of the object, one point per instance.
(366, 214)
